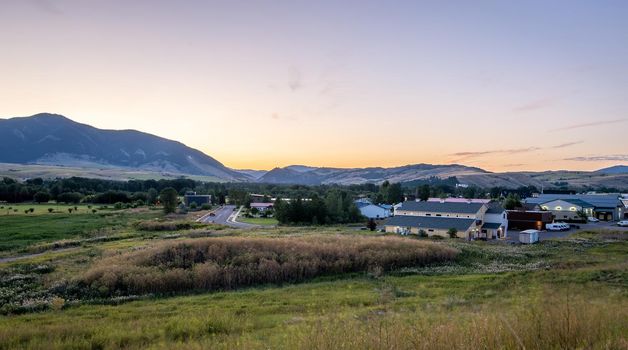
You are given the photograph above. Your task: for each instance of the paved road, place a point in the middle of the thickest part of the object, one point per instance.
(545, 235)
(225, 215)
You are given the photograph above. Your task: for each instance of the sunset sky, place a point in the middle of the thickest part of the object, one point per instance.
(503, 85)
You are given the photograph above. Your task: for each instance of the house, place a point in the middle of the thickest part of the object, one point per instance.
(198, 199)
(529, 219)
(437, 218)
(606, 206)
(496, 218)
(262, 207)
(373, 211)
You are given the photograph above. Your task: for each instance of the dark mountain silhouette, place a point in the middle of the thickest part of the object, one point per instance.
(56, 140)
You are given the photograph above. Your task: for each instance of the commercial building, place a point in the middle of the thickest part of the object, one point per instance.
(564, 207)
(198, 199)
(469, 218)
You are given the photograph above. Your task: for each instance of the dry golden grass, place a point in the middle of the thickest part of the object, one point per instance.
(233, 262)
(557, 322)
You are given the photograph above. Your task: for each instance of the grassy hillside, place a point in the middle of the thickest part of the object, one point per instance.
(570, 293)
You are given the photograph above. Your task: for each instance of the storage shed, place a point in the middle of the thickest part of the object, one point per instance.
(529, 236)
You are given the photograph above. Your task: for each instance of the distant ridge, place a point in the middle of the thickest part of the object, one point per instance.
(52, 145)
(617, 169)
(305, 175)
(53, 139)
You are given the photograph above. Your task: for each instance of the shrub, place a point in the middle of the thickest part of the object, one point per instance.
(118, 205)
(206, 206)
(453, 233)
(163, 225)
(423, 234)
(50, 210)
(233, 262)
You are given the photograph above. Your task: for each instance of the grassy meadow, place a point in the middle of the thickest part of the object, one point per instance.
(164, 283)
(259, 221)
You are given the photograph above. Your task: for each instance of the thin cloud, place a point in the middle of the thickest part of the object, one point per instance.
(504, 151)
(592, 124)
(568, 144)
(601, 158)
(537, 104)
(47, 6)
(295, 82)
(467, 155)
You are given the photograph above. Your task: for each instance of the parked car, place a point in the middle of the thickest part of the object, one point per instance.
(212, 214)
(592, 219)
(623, 223)
(557, 226)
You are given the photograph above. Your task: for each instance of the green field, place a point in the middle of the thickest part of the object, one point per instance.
(569, 293)
(259, 221)
(7, 209)
(21, 231)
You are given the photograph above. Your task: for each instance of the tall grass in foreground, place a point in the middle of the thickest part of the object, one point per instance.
(556, 323)
(233, 262)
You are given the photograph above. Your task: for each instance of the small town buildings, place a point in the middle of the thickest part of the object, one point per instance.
(459, 200)
(259, 198)
(468, 218)
(197, 199)
(568, 209)
(529, 219)
(262, 207)
(529, 236)
(605, 207)
(373, 211)
(496, 218)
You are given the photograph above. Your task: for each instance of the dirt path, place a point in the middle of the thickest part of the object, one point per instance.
(34, 255)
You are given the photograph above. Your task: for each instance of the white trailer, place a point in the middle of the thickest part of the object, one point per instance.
(529, 236)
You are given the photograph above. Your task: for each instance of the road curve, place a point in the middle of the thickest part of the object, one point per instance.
(225, 215)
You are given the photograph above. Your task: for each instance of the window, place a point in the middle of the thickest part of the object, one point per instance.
(565, 216)
(545, 207)
(430, 230)
(428, 214)
(438, 215)
(504, 215)
(572, 208)
(559, 208)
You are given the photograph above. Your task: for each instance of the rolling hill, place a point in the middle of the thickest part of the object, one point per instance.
(51, 139)
(50, 145)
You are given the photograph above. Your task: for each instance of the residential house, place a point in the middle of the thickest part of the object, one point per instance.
(262, 207)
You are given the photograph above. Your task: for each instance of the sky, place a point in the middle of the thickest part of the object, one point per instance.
(502, 85)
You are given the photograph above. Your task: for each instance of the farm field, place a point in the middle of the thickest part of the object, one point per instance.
(142, 288)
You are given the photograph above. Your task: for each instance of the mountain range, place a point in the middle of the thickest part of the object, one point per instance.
(51, 141)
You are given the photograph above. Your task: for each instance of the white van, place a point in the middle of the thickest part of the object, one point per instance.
(557, 226)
